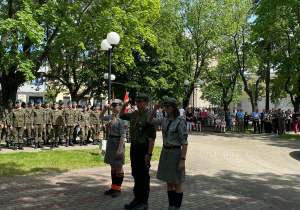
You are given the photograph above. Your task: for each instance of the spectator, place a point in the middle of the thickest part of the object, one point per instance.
(210, 117)
(288, 120)
(204, 118)
(240, 116)
(268, 122)
(246, 121)
(218, 124)
(181, 112)
(295, 118)
(256, 116)
(223, 125)
(198, 122)
(232, 122)
(261, 120)
(189, 119)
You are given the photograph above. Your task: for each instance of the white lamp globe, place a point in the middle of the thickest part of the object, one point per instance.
(201, 82)
(113, 38)
(106, 76)
(112, 77)
(105, 45)
(186, 82)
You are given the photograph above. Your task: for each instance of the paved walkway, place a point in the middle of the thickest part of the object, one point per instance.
(224, 171)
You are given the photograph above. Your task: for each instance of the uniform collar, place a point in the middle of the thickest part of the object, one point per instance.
(143, 111)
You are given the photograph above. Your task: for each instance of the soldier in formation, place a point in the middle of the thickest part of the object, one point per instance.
(57, 123)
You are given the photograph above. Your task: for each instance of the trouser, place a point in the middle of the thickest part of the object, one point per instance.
(46, 132)
(288, 125)
(262, 125)
(38, 131)
(256, 125)
(7, 134)
(62, 133)
(295, 125)
(29, 132)
(69, 132)
(55, 133)
(18, 134)
(140, 172)
(75, 134)
(210, 121)
(246, 125)
(84, 133)
(281, 127)
(189, 126)
(241, 125)
(268, 127)
(96, 132)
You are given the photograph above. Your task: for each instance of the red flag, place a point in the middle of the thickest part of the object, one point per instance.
(126, 98)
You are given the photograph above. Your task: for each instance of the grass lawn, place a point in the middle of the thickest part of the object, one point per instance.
(289, 136)
(29, 163)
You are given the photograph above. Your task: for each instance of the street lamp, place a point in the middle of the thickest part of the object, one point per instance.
(108, 45)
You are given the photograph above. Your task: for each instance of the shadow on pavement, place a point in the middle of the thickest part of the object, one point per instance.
(295, 155)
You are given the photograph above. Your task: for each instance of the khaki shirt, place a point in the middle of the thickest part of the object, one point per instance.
(143, 130)
(95, 119)
(69, 116)
(84, 119)
(7, 116)
(57, 117)
(117, 128)
(39, 116)
(176, 134)
(29, 115)
(47, 115)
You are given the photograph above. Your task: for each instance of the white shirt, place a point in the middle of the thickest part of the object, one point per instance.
(181, 111)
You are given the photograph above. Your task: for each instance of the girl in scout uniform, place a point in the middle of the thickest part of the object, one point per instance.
(115, 150)
(171, 168)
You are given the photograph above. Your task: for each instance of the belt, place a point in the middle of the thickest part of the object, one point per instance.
(112, 136)
(171, 147)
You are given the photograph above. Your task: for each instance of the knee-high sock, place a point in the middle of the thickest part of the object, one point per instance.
(171, 196)
(178, 199)
(113, 179)
(119, 180)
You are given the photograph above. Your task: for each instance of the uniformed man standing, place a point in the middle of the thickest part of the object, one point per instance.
(29, 121)
(85, 124)
(77, 116)
(18, 125)
(96, 122)
(142, 137)
(1, 122)
(115, 150)
(39, 123)
(7, 122)
(89, 110)
(57, 121)
(62, 136)
(69, 118)
(47, 129)
(171, 168)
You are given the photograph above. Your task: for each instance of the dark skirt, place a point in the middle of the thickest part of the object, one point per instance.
(110, 154)
(168, 167)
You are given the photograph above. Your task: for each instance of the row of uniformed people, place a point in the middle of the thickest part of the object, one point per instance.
(41, 123)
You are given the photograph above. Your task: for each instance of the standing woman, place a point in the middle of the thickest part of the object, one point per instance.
(115, 150)
(171, 167)
(189, 119)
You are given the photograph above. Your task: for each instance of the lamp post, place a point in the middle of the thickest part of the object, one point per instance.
(108, 45)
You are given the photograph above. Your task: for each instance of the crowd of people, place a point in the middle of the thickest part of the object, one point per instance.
(270, 121)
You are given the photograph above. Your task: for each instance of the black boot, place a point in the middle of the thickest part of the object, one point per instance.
(84, 143)
(39, 145)
(28, 141)
(81, 143)
(71, 142)
(36, 145)
(56, 145)
(52, 145)
(15, 146)
(60, 142)
(67, 143)
(7, 144)
(21, 146)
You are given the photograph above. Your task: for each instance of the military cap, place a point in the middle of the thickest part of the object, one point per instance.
(142, 96)
(117, 102)
(47, 101)
(38, 101)
(74, 102)
(84, 106)
(31, 101)
(170, 102)
(61, 103)
(97, 104)
(9, 101)
(69, 102)
(18, 101)
(55, 103)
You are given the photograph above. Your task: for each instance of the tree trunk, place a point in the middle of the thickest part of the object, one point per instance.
(188, 94)
(10, 86)
(267, 107)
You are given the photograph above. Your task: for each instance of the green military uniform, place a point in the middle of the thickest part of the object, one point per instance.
(77, 114)
(18, 124)
(95, 122)
(57, 121)
(39, 120)
(1, 121)
(281, 122)
(7, 121)
(63, 129)
(140, 132)
(84, 122)
(29, 122)
(47, 129)
(69, 118)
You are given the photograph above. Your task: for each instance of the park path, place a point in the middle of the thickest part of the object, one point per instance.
(224, 171)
